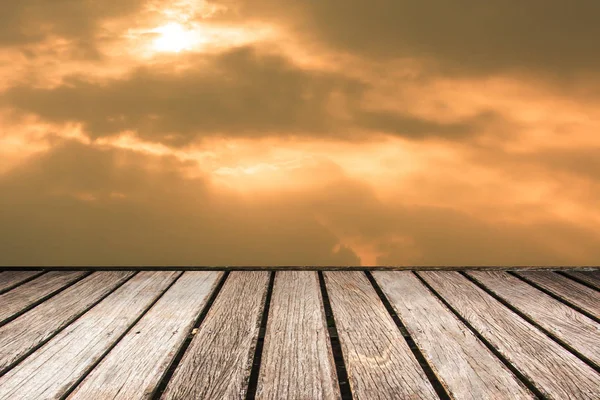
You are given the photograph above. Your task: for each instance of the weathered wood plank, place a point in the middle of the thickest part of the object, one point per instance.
(28, 294)
(54, 368)
(133, 369)
(379, 362)
(582, 296)
(464, 365)
(570, 326)
(590, 277)
(21, 335)
(10, 279)
(297, 362)
(556, 372)
(217, 363)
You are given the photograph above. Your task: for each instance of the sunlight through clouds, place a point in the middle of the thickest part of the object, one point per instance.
(404, 133)
(174, 38)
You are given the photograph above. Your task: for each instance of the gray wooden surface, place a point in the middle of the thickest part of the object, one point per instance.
(464, 365)
(116, 335)
(297, 362)
(133, 369)
(572, 327)
(218, 361)
(9, 279)
(379, 362)
(580, 295)
(53, 369)
(27, 294)
(590, 277)
(552, 369)
(18, 337)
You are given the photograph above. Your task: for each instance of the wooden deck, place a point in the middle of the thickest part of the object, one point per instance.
(299, 334)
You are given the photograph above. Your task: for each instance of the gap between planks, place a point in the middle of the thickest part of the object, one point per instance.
(24, 297)
(27, 333)
(51, 372)
(451, 348)
(571, 329)
(379, 362)
(134, 367)
(299, 363)
(554, 371)
(11, 279)
(217, 362)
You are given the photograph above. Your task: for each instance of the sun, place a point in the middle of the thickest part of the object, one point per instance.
(173, 37)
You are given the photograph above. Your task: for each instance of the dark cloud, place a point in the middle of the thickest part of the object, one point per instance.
(542, 164)
(79, 21)
(449, 237)
(411, 127)
(462, 36)
(469, 36)
(81, 206)
(581, 162)
(239, 93)
(446, 236)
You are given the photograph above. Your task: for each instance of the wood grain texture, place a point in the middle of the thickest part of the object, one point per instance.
(582, 296)
(379, 362)
(556, 372)
(9, 279)
(297, 362)
(590, 277)
(26, 295)
(54, 368)
(464, 365)
(217, 363)
(133, 369)
(572, 327)
(30, 329)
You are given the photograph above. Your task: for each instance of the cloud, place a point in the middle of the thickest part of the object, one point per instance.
(244, 92)
(411, 127)
(78, 205)
(240, 92)
(463, 37)
(403, 233)
(83, 205)
(397, 132)
(580, 162)
(33, 21)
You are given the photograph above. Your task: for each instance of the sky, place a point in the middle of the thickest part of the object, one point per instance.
(300, 132)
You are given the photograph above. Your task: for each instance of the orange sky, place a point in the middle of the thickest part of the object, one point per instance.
(299, 132)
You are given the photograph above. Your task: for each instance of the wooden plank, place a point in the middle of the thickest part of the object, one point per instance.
(570, 326)
(27, 295)
(52, 370)
(581, 296)
(217, 363)
(464, 365)
(10, 279)
(21, 335)
(133, 369)
(556, 372)
(379, 362)
(590, 277)
(297, 362)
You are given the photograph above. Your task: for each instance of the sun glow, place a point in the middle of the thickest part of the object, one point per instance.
(173, 37)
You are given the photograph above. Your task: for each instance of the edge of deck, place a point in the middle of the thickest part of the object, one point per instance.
(299, 268)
